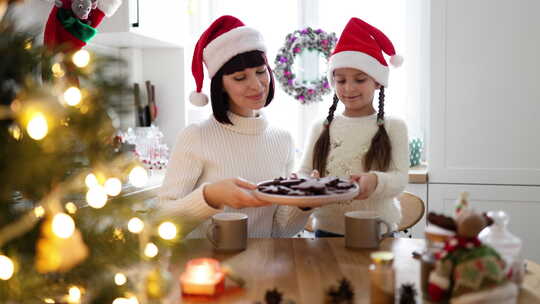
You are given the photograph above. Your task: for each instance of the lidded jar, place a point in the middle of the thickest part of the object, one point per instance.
(382, 277)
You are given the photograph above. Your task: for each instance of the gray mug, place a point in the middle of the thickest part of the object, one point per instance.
(363, 229)
(228, 231)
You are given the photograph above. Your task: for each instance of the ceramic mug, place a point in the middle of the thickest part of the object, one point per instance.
(363, 229)
(228, 231)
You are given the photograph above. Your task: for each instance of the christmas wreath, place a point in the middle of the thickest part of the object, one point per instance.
(296, 42)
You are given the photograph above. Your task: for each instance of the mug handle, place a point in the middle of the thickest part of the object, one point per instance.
(210, 233)
(388, 229)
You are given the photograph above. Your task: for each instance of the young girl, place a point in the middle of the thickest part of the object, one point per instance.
(360, 143)
(202, 178)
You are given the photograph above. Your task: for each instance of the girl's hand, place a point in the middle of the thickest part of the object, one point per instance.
(367, 182)
(232, 192)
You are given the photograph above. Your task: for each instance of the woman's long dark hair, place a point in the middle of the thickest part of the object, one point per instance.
(219, 98)
(378, 156)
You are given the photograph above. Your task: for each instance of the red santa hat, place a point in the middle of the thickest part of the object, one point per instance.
(361, 46)
(225, 38)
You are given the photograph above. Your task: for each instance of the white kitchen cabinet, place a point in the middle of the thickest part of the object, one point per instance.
(145, 23)
(484, 92)
(522, 203)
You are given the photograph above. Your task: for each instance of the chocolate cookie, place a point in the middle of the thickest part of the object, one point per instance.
(312, 185)
(306, 186)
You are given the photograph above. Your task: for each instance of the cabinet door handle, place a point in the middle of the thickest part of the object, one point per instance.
(136, 24)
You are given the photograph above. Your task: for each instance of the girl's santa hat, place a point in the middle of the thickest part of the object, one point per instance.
(224, 39)
(361, 46)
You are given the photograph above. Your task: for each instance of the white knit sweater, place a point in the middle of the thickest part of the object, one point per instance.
(350, 139)
(210, 151)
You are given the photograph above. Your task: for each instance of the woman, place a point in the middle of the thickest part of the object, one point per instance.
(215, 162)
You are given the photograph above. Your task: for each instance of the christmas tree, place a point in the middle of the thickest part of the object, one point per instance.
(64, 238)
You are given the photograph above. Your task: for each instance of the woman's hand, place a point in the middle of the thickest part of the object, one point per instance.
(367, 182)
(232, 192)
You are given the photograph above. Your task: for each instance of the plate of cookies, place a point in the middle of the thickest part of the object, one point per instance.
(306, 192)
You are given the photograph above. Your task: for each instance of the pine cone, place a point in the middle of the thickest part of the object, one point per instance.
(273, 296)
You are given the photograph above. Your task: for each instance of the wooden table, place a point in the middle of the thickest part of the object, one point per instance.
(303, 269)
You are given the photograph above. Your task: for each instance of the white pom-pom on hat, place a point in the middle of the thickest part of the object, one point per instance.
(396, 60)
(198, 99)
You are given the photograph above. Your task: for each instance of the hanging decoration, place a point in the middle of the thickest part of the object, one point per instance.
(295, 43)
(72, 23)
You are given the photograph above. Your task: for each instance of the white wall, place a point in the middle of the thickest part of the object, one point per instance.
(165, 66)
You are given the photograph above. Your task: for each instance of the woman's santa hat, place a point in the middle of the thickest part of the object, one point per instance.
(224, 39)
(361, 46)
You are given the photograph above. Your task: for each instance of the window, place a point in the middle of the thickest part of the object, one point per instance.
(402, 21)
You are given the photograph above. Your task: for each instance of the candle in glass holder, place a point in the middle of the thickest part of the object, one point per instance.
(202, 276)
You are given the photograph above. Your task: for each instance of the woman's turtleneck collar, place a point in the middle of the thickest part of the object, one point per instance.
(247, 125)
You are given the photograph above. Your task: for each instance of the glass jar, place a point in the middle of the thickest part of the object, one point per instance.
(506, 244)
(382, 278)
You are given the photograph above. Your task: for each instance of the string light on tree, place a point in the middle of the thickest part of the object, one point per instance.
(120, 279)
(57, 70)
(118, 234)
(135, 225)
(74, 295)
(167, 230)
(132, 299)
(71, 208)
(151, 250)
(73, 96)
(63, 225)
(138, 176)
(128, 300)
(49, 301)
(113, 186)
(6, 268)
(37, 126)
(91, 180)
(15, 131)
(39, 211)
(81, 58)
(96, 197)
(120, 301)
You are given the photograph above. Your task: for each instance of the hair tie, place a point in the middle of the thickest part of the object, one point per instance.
(380, 121)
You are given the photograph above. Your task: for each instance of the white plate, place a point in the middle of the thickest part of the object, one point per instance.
(307, 200)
